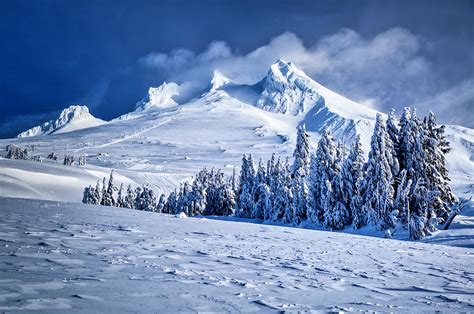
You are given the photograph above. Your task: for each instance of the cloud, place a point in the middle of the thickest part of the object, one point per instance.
(456, 102)
(384, 71)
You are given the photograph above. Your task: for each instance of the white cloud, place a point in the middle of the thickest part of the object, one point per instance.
(384, 71)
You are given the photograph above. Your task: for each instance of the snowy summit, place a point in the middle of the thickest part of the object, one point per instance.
(72, 118)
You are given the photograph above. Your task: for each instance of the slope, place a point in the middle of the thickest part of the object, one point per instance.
(92, 258)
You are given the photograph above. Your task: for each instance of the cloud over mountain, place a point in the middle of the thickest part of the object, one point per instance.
(387, 70)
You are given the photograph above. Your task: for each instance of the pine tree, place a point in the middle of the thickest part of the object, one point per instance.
(108, 194)
(300, 173)
(260, 192)
(138, 202)
(402, 200)
(96, 195)
(82, 160)
(351, 176)
(171, 206)
(246, 198)
(88, 195)
(227, 199)
(436, 147)
(338, 214)
(378, 185)
(323, 169)
(199, 193)
(120, 198)
(148, 199)
(129, 201)
(288, 202)
(161, 204)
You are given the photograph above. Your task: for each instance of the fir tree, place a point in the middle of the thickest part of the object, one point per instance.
(88, 195)
(436, 147)
(323, 169)
(260, 192)
(108, 194)
(378, 185)
(301, 165)
(129, 201)
(161, 204)
(246, 198)
(96, 195)
(120, 198)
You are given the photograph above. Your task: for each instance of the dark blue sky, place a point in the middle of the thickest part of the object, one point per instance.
(56, 53)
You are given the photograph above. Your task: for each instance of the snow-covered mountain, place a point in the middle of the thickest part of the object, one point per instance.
(164, 141)
(71, 119)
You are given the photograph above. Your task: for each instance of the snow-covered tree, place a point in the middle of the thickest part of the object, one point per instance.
(88, 195)
(138, 202)
(161, 204)
(108, 193)
(17, 152)
(260, 192)
(120, 197)
(69, 160)
(436, 147)
(351, 176)
(171, 206)
(199, 192)
(96, 194)
(82, 160)
(246, 198)
(378, 184)
(52, 156)
(323, 169)
(402, 199)
(148, 199)
(300, 173)
(344, 196)
(129, 201)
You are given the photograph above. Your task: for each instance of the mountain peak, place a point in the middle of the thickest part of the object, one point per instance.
(218, 80)
(287, 89)
(160, 97)
(72, 118)
(282, 68)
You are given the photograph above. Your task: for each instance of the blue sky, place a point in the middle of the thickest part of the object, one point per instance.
(107, 53)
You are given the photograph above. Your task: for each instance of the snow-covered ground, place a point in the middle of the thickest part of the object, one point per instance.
(63, 256)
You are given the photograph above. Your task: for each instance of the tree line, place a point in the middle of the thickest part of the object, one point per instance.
(404, 183)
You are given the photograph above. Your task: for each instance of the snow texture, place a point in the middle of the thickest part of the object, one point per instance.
(63, 256)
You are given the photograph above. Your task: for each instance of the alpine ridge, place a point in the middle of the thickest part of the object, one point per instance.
(70, 119)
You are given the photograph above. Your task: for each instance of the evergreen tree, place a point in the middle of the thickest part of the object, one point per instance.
(88, 195)
(378, 185)
(138, 203)
(199, 193)
(323, 169)
(129, 201)
(227, 200)
(120, 197)
(260, 192)
(300, 172)
(82, 160)
(96, 195)
(161, 204)
(171, 206)
(351, 176)
(436, 147)
(108, 194)
(402, 200)
(148, 199)
(246, 198)
(289, 216)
